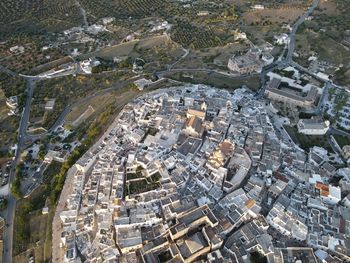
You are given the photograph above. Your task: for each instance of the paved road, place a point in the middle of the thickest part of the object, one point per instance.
(60, 120)
(7, 71)
(335, 131)
(26, 112)
(23, 139)
(9, 214)
(186, 52)
(291, 45)
(283, 62)
(83, 13)
(161, 74)
(303, 69)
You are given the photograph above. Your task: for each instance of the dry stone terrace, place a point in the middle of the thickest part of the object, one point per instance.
(194, 172)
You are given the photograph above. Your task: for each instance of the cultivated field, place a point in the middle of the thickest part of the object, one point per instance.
(268, 16)
(323, 37)
(33, 17)
(125, 9)
(194, 36)
(117, 51)
(32, 57)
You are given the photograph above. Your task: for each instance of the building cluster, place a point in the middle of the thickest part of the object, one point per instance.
(196, 174)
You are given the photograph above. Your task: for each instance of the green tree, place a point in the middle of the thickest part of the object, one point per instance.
(16, 188)
(256, 257)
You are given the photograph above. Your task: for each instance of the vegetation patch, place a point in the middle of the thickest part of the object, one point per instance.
(342, 140)
(144, 185)
(141, 186)
(216, 80)
(308, 141)
(34, 17)
(67, 90)
(190, 35)
(30, 225)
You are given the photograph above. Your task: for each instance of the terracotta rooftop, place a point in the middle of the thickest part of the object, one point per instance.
(324, 189)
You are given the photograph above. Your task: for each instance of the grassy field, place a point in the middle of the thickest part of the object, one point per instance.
(326, 49)
(189, 28)
(50, 65)
(118, 97)
(323, 36)
(35, 227)
(263, 25)
(216, 80)
(9, 86)
(120, 50)
(12, 86)
(84, 116)
(215, 58)
(342, 140)
(124, 9)
(279, 15)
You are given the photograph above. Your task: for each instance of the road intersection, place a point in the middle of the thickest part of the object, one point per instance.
(23, 137)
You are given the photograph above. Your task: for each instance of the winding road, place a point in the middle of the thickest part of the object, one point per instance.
(83, 13)
(9, 213)
(288, 59)
(23, 136)
(291, 45)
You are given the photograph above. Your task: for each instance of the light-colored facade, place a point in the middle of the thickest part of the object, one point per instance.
(247, 63)
(313, 127)
(274, 93)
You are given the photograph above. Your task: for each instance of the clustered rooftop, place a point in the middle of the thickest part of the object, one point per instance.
(194, 173)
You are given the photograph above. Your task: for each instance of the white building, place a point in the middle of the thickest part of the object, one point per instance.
(329, 194)
(313, 127)
(107, 20)
(142, 83)
(12, 102)
(88, 64)
(240, 36)
(17, 49)
(50, 104)
(282, 39)
(258, 7)
(267, 58)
